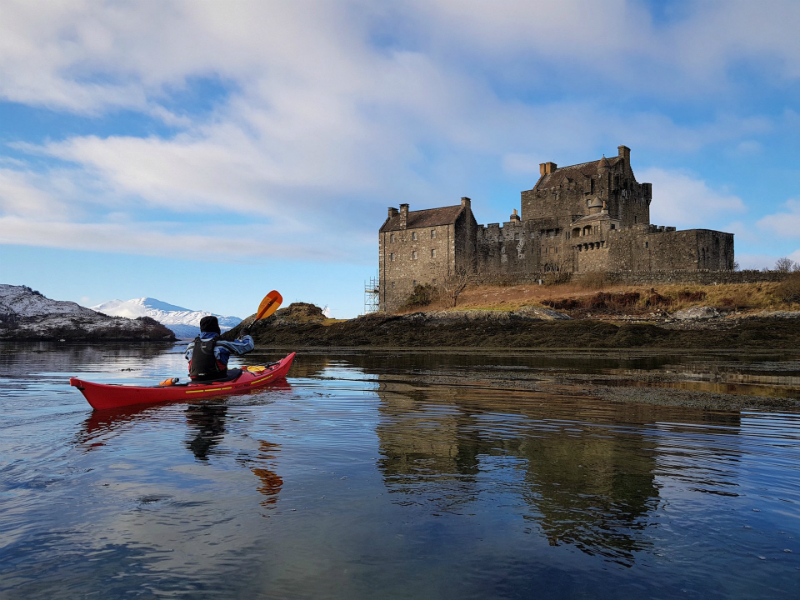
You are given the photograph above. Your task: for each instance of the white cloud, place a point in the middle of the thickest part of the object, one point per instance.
(784, 224)
(152, 240)
(681, 200)
(318, 123)
(21, 194)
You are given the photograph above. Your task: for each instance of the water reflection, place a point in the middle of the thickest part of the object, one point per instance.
(271, 482)
(591, 489)
(589, 483)
(206, 424)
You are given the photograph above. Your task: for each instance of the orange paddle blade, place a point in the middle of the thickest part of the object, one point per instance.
(269, 305)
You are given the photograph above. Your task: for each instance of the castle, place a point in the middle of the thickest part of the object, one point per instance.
(593, 216)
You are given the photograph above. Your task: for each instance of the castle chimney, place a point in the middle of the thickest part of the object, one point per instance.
(393, 212)
(625, 152)
(403, 215)
(466, 202)
(514, 216)
(547, 168)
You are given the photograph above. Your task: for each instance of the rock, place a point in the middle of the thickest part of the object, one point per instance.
(28, 315)
(696, 313)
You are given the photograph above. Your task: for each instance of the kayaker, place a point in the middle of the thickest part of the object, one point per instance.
(208, 356)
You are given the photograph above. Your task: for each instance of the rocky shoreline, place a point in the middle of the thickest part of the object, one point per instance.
(303, 326)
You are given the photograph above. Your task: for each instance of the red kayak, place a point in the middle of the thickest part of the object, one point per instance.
(101, 395)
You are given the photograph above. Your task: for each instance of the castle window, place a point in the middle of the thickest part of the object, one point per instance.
(556, 249)
(391, 238)
(613, 226)
(433, 233)
(516, 236)
(433, 253)
(413, 235)
(391, 257)
(647, 244)
(393, 285)
(414, 255)
(415, 283)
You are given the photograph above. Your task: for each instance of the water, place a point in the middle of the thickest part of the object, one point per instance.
(350, 483)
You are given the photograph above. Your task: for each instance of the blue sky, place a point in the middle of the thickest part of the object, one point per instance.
(204, 153)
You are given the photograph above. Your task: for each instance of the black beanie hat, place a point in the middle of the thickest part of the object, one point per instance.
(209, 324)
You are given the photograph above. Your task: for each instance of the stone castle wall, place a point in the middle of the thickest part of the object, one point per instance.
(406, 261)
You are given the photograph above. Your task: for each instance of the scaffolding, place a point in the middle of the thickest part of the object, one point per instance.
(372, 295)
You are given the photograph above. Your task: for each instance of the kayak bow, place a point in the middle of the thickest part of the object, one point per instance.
(102, 396)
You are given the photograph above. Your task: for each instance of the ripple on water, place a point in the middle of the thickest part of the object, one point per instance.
(348, 484)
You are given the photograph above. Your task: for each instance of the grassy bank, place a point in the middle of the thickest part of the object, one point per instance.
(579, 299)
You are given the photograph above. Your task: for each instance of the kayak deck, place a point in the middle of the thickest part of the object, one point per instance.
(102, 396)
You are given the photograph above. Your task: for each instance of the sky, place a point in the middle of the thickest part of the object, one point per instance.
(207, 152)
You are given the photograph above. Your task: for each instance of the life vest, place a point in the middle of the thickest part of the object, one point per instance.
(204, 366)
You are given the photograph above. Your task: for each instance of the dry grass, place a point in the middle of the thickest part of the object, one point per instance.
(741, 296)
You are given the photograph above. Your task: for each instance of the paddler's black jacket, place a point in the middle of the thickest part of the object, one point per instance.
(214, 366)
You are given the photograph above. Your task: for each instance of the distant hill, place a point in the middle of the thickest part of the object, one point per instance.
(184, 322)
(25, 314)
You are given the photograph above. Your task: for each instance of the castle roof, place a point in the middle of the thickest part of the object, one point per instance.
(430, 217)
(604, 216)
(576, 172)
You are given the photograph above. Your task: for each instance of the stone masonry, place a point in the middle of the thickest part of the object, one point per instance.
(589, 217)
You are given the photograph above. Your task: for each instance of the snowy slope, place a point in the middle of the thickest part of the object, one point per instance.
(183, 321)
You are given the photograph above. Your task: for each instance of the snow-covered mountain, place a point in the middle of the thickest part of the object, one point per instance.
(185, 323)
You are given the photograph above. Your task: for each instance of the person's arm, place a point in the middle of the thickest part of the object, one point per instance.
(241, 346)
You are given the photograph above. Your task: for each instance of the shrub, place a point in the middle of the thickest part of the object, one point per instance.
(784, 265)
(595, 280)
(556, 277)
(788, 290)
(422, 295)
(687, 296)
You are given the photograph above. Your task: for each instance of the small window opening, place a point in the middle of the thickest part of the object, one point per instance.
(433, 233)
(413, 235)
(391, 257)
(414, 255)
(433, 252)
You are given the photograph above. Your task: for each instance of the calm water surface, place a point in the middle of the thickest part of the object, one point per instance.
(346, 484)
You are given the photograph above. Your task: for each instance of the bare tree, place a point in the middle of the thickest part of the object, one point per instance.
(454, 284)
(784, 265)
